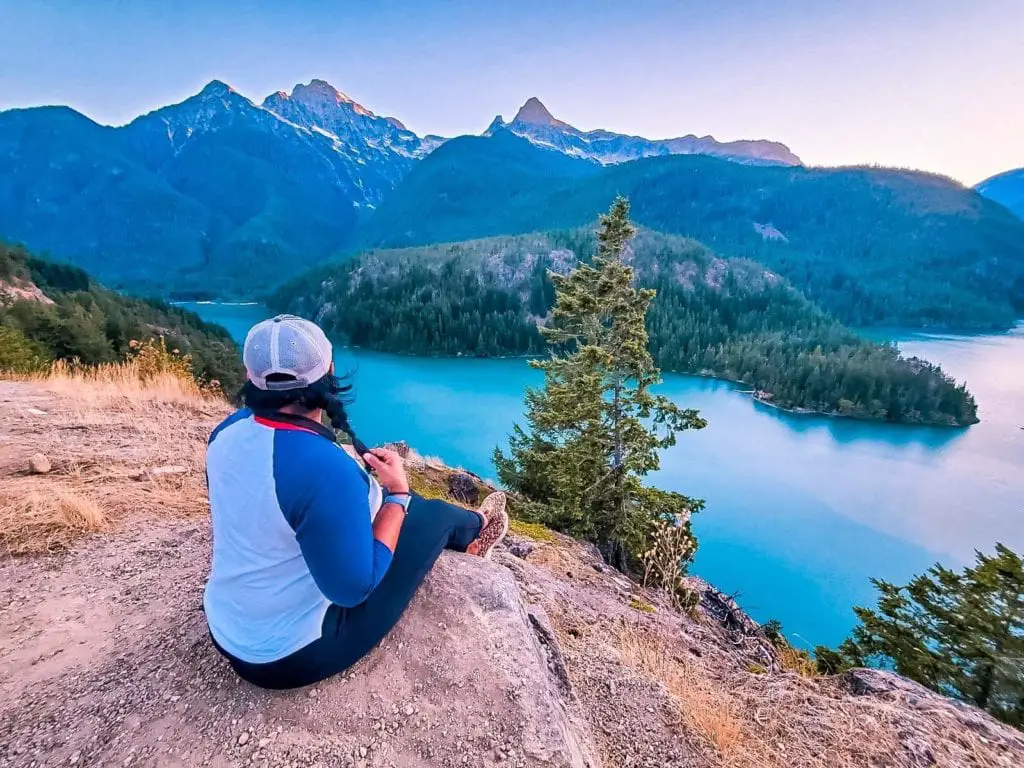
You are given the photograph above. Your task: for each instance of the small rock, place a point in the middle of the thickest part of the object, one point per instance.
(243, 738)
(39, 464)
(168, 470)
(409, 710)
(463, 488)
(362, 751)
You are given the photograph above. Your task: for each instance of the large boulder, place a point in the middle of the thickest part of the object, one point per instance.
(123, 673)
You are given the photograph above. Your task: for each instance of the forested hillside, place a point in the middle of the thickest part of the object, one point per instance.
(872, 246)
(71, 317)
(728, 318)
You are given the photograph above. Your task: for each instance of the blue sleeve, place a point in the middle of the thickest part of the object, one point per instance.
(323, 495)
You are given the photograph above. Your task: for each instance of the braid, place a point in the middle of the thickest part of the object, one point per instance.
(335, 410)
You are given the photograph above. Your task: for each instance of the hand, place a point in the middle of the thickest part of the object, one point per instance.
(389, 468)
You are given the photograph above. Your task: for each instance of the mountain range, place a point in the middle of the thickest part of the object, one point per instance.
(536, 124)
(220, 196)
(216, 193)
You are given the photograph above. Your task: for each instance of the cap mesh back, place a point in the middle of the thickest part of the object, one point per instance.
(297, 351)
(286, 345)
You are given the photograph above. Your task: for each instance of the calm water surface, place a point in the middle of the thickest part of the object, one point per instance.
(801, 511)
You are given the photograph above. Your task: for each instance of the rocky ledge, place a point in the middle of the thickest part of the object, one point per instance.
(544, 656)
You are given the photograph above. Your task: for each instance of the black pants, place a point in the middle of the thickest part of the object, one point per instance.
(350, 633)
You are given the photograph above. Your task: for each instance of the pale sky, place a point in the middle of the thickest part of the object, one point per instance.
(936, 85)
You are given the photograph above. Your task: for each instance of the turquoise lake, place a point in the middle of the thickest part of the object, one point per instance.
(801, 510)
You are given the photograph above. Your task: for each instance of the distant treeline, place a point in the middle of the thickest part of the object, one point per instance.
(91, 324)
(728, 318)
(872, 246)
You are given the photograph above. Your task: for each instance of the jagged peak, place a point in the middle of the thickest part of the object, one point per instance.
(396, 123)
(318, 94)
(320, 89)
(216, 88)
(496, 125)
(533, 112)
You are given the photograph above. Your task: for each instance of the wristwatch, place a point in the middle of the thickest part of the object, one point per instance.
(401, 499)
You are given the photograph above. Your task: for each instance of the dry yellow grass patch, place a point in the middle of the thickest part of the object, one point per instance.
(122, 444)
(124, 382)
(789, 721)
(798, 661)
(47, 519)
(703, 708)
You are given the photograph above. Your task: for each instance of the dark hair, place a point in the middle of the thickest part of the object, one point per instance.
(331, 393)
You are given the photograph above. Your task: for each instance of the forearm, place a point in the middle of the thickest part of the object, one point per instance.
(388, 524)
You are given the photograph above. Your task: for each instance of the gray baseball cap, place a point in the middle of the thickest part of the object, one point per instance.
(286, 345)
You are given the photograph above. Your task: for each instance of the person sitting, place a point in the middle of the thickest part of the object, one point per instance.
(314, 559)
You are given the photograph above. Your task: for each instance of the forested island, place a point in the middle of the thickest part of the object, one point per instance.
(728, 318)
(51, 311)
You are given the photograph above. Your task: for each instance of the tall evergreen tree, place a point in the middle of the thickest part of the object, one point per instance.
(595, 429)
(961, 634)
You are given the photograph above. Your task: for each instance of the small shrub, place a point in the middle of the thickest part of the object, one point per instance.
(757, 669)
(18, 354)
(671, 546)
(155, 360)
(772, 630)
(641, 605)
(829, 661)
(798, 660)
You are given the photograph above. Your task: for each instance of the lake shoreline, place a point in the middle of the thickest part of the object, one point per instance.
(760, 397)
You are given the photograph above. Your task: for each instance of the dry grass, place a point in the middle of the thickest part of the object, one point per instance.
(47, 520)
(758, 720)
(703, 707)
(797, 661)
(122, 446)
(121, 383)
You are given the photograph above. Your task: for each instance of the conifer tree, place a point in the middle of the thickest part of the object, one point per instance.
(595, 428)
(958, 633)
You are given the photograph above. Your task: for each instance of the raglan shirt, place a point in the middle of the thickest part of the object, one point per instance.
(292, 517)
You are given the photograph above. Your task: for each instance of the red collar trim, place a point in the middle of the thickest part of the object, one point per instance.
(282, 425)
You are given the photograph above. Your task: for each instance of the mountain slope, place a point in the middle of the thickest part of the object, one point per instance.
(873, 246)
(210, 196)
(1007, 189)
(728, 318)
(51, 311)
(536, 124)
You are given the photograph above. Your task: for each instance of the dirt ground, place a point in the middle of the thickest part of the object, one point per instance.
(544, 656)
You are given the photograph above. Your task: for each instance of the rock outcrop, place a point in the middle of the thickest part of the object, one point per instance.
(544, 656)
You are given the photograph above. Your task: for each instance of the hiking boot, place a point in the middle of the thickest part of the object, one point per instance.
(495, 525)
